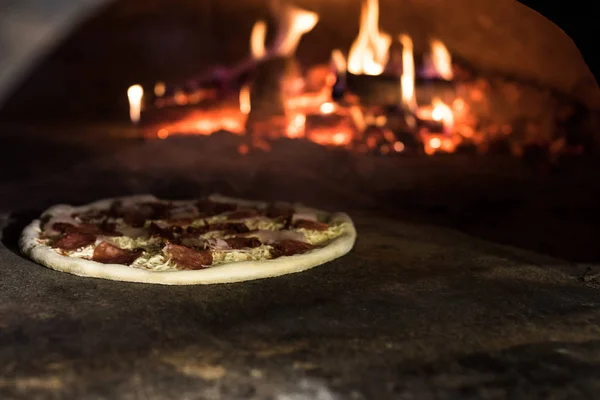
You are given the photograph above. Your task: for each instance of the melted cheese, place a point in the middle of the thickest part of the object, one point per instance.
(227, 256)
(130, 243)
(320, 238)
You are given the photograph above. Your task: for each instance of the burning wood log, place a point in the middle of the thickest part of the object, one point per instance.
(271, 80)
(387, 90)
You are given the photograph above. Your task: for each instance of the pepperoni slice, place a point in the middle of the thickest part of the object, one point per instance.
(107, 253)
(311, 225)
(243, 242)
(289, 248)
(74, 240)
(187, 258)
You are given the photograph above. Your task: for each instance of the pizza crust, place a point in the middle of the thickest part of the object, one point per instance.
(226, 273)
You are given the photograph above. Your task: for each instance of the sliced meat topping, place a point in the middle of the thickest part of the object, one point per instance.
(164, 231)
(243, 242)
(91, 215)
(187, 258)
(74, 240)
(279, 212)
(107, 253)
(197, 230)
(289, 248)
(103, 228)
(243, 214)
(137, 214)
(311, 225)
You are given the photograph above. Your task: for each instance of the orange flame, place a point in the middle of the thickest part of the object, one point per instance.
(442, 113)
(339, 61)
(407, 80)
(245, 106)
(135, 94)
(257, 40)
(369, 52)
(294, 22)
(442, 61)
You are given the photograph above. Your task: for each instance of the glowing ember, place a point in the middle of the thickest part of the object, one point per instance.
(162, 134)
(327, 108)
(295, 128)
(369, 52)
(442, 61)
(435, 143)
(135, 94)
(243, 149)
(207, 122)
(159, 89)
(407, 80)
(399, 147)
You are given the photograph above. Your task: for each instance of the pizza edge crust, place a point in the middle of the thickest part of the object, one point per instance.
(226, 273)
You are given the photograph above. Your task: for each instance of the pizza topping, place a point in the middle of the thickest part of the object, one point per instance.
(229, 227)
(310, 225)
(217, 244)
(91, 215)
(289, 248)
(305, 215)
(269, 237)
(74, 240)
(243, 242)
(279, 212)
(187, 258)
(197, 230)
(107, 253)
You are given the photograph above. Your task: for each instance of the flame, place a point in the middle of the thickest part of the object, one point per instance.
(442, 113)
(135, 94)
(296, 126)
(294, 22)
(407, 80)
(257, 40)
(339, 62)
(245, 105)
(442, 61)
(369, 52)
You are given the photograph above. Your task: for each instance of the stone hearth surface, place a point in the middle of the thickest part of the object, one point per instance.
(414, 311)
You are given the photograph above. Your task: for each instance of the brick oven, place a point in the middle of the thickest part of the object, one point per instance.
(461, 135)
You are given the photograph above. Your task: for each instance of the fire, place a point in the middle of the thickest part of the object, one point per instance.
(407, 80)
(442, 113)
(159, 89)
(442, 61)
(327, 107)
(135, 94)
(245, 106)
(293, 22)
(257, 40)
(369, 52)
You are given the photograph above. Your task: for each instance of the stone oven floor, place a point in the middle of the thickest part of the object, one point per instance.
(414, 311)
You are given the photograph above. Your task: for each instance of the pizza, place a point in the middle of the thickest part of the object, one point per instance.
(211, 240)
